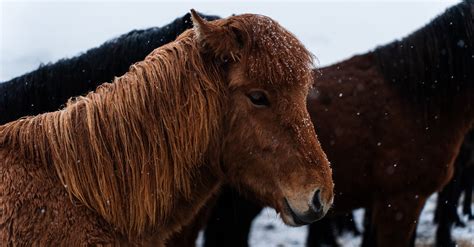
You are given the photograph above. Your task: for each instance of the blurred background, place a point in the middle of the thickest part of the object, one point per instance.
(35, 32)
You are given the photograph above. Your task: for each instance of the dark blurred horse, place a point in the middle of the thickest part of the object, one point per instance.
(50, 86)
(325, 232)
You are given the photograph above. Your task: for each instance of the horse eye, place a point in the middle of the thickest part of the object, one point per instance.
(258, 98)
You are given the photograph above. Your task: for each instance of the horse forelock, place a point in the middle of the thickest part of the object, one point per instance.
(271, 54)
(130, 148)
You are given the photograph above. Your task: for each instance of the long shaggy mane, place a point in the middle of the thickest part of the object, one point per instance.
(168, 113)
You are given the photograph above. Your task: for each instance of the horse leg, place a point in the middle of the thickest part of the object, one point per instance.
(448, 198)
(368, 238)
(445, 214)
(443, 232)
(467, 202)
(439, 202)
(230, 221)
(321, 233)
(395, 219)
(457, 191)
(445, 217)
(345, 223)
(468, 185)
(454, 207)
(413, 236)
(351, 224)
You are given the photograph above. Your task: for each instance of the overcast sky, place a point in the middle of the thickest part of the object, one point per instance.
(34, 32)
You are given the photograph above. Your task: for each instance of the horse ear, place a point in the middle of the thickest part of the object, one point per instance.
(223, 42)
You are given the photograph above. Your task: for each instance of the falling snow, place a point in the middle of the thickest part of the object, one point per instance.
(269, 230)
(324, 42)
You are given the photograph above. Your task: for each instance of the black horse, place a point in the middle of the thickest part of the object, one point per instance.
(50, 86)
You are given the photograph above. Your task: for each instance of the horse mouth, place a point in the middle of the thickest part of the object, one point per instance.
(305, 219)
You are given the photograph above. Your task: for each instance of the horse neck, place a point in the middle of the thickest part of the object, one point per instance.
(126, 151)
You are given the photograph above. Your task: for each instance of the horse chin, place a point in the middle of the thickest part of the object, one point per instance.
(289, 217)
(292, 218)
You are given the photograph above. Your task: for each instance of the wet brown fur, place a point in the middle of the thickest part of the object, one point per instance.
(136, 159)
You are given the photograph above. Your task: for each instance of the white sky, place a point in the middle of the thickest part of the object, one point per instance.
(34, 32)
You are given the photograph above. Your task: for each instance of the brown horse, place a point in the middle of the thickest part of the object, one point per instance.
(123, 165)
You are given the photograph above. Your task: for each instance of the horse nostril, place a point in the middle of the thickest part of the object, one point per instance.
(317, 206)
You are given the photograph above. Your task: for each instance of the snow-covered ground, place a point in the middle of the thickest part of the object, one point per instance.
(268, 230)
(34, 32)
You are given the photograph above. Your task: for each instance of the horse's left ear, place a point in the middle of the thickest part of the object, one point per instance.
(223, 42)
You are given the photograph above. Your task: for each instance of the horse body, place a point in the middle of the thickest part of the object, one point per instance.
(36, 210)
(39, 211)
(352, 88)
(406, 143)
(394, 165)
(123, 166)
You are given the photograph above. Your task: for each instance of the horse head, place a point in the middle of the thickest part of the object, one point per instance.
(270, 147)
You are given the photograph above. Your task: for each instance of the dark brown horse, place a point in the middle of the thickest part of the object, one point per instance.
(392, 122)
(122, 166)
